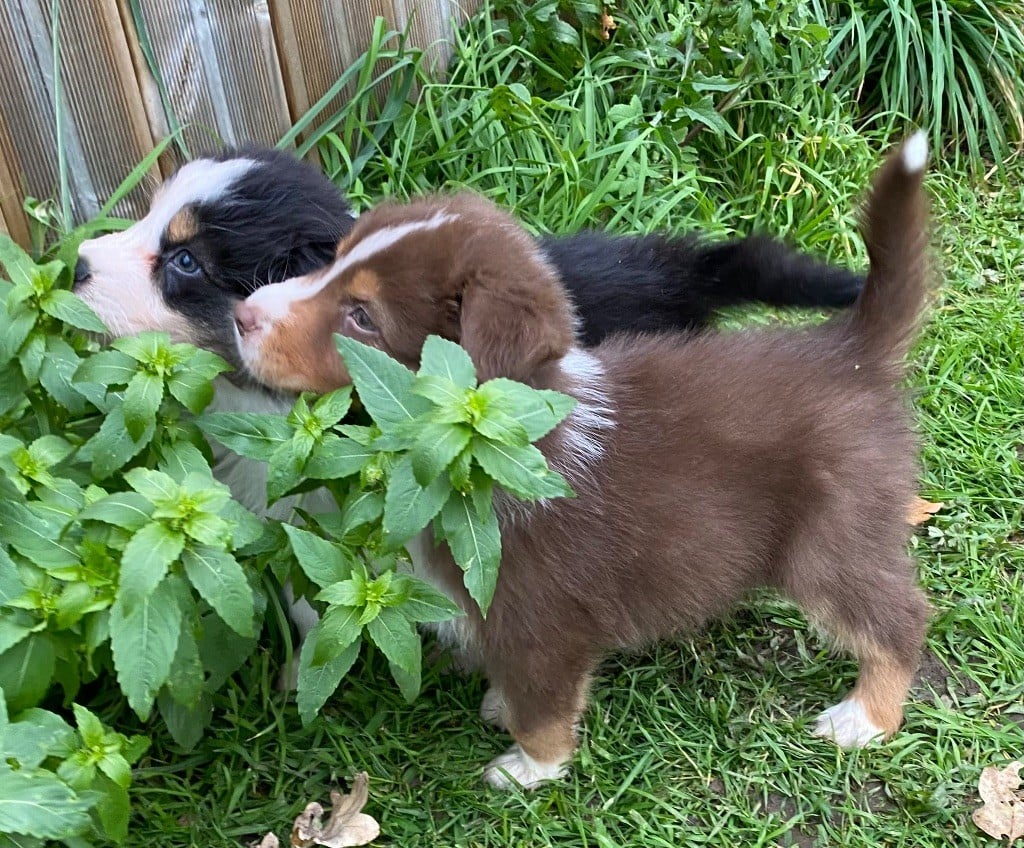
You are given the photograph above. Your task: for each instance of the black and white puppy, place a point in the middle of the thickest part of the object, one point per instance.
(224, 226)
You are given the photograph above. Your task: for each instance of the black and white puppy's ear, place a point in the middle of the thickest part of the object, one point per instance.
(513, 324)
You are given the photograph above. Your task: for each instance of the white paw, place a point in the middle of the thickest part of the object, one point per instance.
(847, 724)
(515, 768)
(492, 709)
(288, 679)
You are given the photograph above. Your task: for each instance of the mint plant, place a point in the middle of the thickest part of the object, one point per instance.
(59, 782)
(122, 558)
(430, 457)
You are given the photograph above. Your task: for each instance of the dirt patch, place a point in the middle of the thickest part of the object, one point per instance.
(933, 675)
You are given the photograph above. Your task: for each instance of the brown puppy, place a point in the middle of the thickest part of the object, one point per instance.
(703, 469)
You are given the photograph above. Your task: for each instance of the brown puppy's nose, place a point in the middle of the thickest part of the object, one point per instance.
(82, 272)
(247, 318)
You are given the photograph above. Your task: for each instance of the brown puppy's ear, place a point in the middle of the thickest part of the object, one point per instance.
(511, 327)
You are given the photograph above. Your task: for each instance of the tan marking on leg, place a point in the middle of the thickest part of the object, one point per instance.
(882, 688)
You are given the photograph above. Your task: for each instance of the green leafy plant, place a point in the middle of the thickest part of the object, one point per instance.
(435, 449)
(62, 783)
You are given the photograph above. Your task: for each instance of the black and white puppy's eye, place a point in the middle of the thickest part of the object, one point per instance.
(185, 262)
(361, 318)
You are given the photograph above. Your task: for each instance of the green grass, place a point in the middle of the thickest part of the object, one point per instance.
(703, 741)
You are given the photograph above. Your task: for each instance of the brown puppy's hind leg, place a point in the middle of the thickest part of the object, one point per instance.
(882, 622)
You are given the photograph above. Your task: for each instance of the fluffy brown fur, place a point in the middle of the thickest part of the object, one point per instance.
(703, 469)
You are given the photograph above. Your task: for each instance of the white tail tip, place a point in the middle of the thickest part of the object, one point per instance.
(915, 152)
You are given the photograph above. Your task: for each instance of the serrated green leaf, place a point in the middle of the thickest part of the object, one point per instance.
(39, 804)
(346, 593)
(246, 528)
(338, 629)
(31, 356)
(436, 448)
(113, 808)
(112, 447)
(129, 510)
(106, 368)
(147, 347)
(144, 639)
(181, 459)
(141, 401)
(318, 682)
(384, 385)
(35, 537)
(13, 387)
(50, 450)
(156, 486)
(67, 307)
(90, 728)
(219, 578)
(409, 682)
(475, 543)
(15, 326)
(26, 671)
(538, 411)
(191, 389)
(186, 723)
(146, 560)
(17, 264)
(522, 470)
(247, 434)
(408, 506)
(222, 650)
(422, 602)
(332, 407)
(284, 471)
(323, 562)
(11, 586)
(58, 368)
(336, 457)
(499, 427)
(360, 508)
(36, 736)
(442, 358)
(15, 625)
(186, 679)
(442, 392)
(395, 635)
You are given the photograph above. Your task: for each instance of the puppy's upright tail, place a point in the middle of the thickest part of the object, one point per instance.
(895, 228)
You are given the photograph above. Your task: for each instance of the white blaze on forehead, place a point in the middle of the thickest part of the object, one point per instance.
(121, 288)
(274, 301)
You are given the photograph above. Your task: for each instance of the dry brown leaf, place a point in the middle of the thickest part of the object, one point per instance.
(346, 827)
(1003, 813)
(268, 841)
(921, 510)
(607, 24)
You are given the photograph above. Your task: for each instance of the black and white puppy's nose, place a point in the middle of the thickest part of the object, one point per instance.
(82, 272)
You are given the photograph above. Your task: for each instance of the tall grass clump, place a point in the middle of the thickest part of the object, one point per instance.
(954, 66)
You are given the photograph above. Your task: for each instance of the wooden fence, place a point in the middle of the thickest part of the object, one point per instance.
(232, 71)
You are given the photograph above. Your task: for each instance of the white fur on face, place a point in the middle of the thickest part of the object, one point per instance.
(274, 302)
(517, 768)
(847, 724)
(121, 289)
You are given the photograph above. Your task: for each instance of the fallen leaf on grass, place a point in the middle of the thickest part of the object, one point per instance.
(607, 24)
(347, 826)
(1003, 813)
(921, 510)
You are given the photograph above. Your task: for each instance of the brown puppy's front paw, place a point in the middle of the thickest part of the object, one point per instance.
(517, 769)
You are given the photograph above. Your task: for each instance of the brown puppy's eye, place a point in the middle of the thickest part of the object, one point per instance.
(361, 318)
